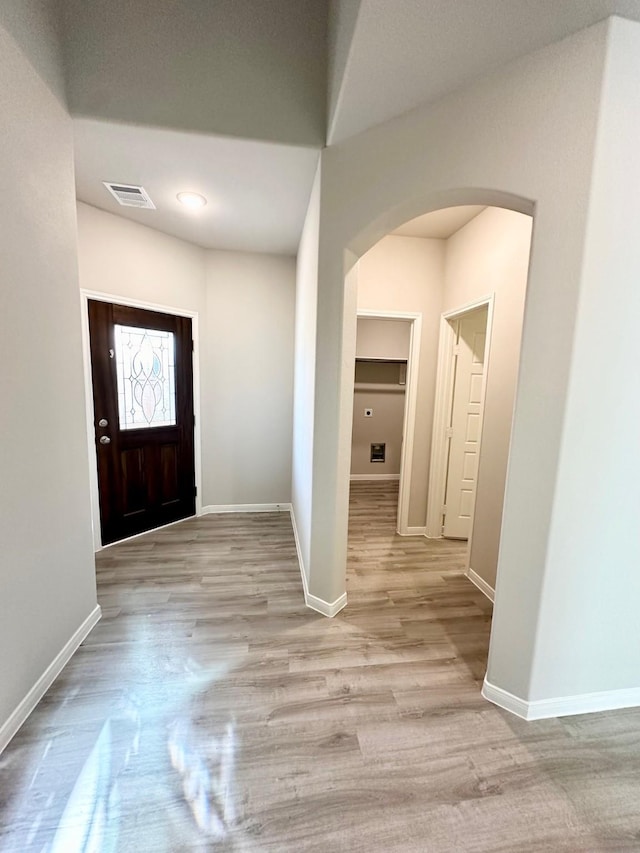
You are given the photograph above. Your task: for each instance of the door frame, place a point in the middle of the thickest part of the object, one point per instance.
(85, 296)
(409, 418)
(442, 409)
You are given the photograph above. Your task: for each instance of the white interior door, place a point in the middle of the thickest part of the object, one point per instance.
(465, 424)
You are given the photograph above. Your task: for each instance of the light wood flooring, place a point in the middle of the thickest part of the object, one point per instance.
(210, 710)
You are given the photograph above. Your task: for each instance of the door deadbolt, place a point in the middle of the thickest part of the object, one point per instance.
(103, 422)
(104, 439)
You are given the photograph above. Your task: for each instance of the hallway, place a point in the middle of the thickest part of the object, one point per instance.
(210, 710)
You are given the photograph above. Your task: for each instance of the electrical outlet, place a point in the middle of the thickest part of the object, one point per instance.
(368, 413)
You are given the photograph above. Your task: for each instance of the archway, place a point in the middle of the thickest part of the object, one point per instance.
(508, 207)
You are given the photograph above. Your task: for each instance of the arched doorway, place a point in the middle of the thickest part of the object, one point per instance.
(476, 278)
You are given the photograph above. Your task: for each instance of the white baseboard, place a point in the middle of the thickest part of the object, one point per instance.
(562, 706)
(324, 607)
(299, 551)
(504, 699)
(412, 531)
(364, 477)
(312, 601)
(219, 508)
(481, 583)
(35, 694)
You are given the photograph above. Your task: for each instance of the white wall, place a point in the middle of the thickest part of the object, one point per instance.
(588, 637)
(304, 380)
(407, 274)
(522, 136)
(248, 409)
(46, 559)
(126, 259)
(245, 305)
(490, 255)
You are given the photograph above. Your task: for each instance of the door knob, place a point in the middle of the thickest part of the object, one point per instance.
(104, 439)
(103, 422)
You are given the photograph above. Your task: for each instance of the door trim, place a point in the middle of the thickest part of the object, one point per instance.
(442, 406)
(85, 296)
(410, 403)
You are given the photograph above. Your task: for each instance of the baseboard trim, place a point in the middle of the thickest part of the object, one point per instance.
(324, 607)
(562, 706)
(504, 699)
(11, 726)
(481, 583)
(214, 509)
(412, 531)
(299, 552)
(312, 601)
(373, 477)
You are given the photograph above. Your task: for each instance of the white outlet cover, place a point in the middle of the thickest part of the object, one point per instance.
(368, 413)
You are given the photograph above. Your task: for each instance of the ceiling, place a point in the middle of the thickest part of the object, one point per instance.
(403, 53)
(257, 192)
(232, 99)
(440, 224)
(250, 69)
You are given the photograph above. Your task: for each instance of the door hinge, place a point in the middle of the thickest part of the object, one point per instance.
(194, 420)
(456, 349)
(444, 509)
(193, 345)
(195, 491)
(448, 432)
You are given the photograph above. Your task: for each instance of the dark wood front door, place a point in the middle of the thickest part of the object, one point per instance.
(141, 363)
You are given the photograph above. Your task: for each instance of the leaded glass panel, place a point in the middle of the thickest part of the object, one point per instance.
(145, 368)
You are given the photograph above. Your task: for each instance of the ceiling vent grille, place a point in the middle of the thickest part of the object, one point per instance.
(130, 196)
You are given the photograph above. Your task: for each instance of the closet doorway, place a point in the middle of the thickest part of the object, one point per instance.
(385, 393)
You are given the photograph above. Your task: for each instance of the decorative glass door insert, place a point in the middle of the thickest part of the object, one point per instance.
(145, 371)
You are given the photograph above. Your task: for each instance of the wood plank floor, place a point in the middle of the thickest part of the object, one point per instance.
(210, 710)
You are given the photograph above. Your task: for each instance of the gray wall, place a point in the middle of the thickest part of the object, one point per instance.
(47, 569)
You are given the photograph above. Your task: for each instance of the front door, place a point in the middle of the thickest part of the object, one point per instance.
(141, 364)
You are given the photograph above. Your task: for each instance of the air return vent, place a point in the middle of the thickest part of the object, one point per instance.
(130, 196)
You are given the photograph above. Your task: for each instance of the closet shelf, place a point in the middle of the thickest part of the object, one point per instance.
(382, 360)
(385, 387)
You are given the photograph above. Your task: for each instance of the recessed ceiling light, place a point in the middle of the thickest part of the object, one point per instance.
(192, 200)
